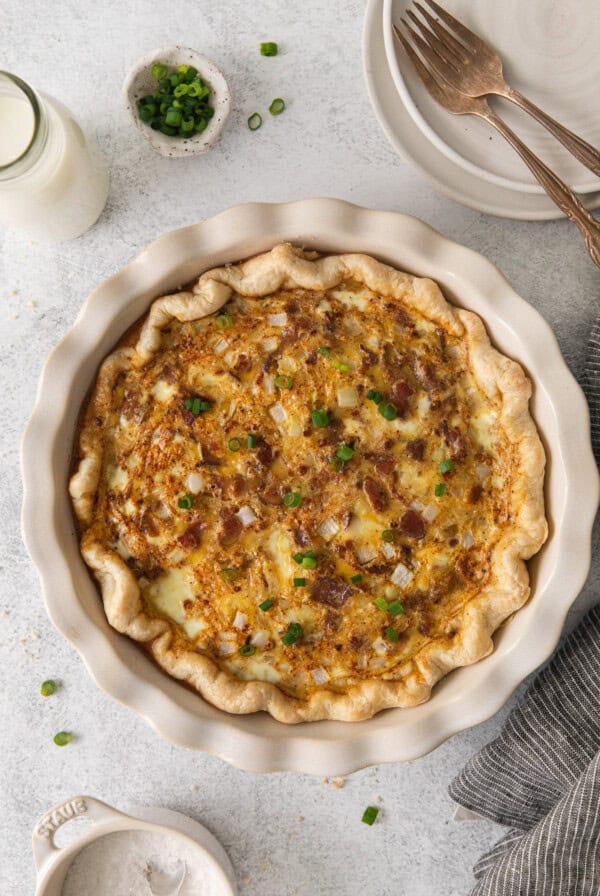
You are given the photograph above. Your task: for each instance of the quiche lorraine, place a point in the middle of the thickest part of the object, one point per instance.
(308, 485)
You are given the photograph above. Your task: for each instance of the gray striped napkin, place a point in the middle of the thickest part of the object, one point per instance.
(541, 776)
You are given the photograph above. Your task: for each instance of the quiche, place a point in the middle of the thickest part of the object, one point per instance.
(308, 485)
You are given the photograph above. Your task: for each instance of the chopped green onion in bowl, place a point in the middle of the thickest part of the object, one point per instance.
(180, 104)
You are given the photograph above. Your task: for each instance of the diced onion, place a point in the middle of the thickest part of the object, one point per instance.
(380, 646)
(194, 482)
(278, 320)
(378, 663)
(319, 675)
(240, 620)
(270, 344)
(347, 397)
(328, 529)
(230, 358)
(260, 639)
(468, 540)
(227, 636)
(278, 412)
(160, 509)
(416, 505)
(226, 648)
(295, 429)
(221, 346)
(268, 383)
(402, 576)
(388, 550)
(482, 471)
(365, 553)
(430, 513)
(246, 515)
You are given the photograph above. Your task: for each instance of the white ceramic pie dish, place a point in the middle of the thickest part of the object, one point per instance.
(257, 742)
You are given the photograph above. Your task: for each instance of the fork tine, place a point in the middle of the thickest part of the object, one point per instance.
(434, 45)
(428, 54)
(471, 40)
(414, 57)
(447, 39)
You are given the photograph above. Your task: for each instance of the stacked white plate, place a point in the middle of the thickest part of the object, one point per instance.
(550, 54)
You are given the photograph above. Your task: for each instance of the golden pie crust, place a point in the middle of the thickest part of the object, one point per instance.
(407, 438)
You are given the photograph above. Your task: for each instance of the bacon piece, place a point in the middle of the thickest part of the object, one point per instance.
(370, 359)
(456, 442)
(301, 538)
(264, 454)
(475, 494)
(149, 524)
(332, 621)
(169, 374)
(357, 642)
(413, 525)
(416, 449)
(377, 494)
(243, 364)
(384, 463)
(187, 416)
(271, 494)
(424, 373)
(331, 592)
(234, 486)
(231, 529)
(192, 537)
(401, 391)
(131, 408)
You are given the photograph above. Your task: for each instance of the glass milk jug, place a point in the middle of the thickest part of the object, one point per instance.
(53, 182)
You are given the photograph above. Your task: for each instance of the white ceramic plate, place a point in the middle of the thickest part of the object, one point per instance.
(257, 742)
(550, 54)
(425, 157)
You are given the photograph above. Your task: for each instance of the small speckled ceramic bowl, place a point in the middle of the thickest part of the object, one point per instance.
(140, 83)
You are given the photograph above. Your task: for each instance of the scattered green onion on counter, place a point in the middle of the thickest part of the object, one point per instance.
(186, 502)
(266, 605)
(180, 105)
(268, 48)
(277, 106)
(370, 814)
(48, 688)
(292, 499)
(293, 633)
(63, 738)
(255, 121)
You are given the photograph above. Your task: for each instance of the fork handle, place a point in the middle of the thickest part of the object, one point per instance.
(558, 191)
(585, 152)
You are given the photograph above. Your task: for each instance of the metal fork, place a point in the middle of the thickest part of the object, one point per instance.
(458, 103)
(470, 65)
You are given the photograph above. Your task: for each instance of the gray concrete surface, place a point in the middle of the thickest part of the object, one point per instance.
(286, 833)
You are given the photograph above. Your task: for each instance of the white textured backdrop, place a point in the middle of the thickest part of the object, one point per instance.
(286, 834)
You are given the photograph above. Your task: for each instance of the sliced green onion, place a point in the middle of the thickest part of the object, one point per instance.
(298, 557)
(48, 688)
(293, 633)
(268, 48)
(388, 535)
(370, 814)
(255, 121)
(395, 608)
(292, 499)
(266, 605)
(173, 117)
(387, 410)
(382, 603)
(283, 382)
(251, 441)
(247, 650)
(159, 71)
(356, 579)
(234, 445)
(181, 90)
(277, 106)
(337, 464)
(374, 395)
(445, 466)
(324, 351)
(309, 562)
(223, 321)
(392, 634)
(230, 573)
(186, 502)
(63, 738)
(440, 489)
(299, 583)
(345, 452)
(320, 418)
(310, 554)
(197, 405)
(341, 365)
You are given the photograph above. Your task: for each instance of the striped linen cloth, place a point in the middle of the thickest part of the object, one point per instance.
(541, 776)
